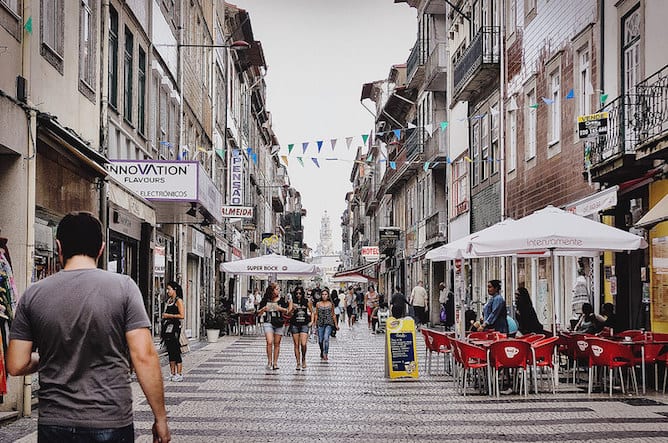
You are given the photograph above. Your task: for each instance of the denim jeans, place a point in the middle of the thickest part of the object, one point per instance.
(323, 337)
(69, 434)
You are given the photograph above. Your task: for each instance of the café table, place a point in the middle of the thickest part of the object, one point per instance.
(636, 342)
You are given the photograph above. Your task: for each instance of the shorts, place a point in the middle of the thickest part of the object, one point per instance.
(351, 311)
(269, 328)
(294, 329)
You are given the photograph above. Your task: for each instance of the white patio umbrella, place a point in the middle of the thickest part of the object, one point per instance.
(460, 248)
(557, 232)
(271, 266)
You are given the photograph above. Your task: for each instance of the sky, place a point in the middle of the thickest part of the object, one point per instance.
(319, 53)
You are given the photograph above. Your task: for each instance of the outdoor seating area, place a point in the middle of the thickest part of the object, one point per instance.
(489, 363)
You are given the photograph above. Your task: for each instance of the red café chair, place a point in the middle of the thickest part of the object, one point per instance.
(442, 345)
(531, 338)
(633, 333)
(611, 355)
(428, 345)
(478, 335)
(471, 358)
(247, 320)
(580, 352)
(511, 354)
(543, 357)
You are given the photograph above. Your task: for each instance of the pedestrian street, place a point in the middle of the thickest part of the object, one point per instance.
(228, 395)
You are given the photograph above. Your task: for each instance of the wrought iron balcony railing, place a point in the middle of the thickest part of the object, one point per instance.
(653, 102)
(483, 50)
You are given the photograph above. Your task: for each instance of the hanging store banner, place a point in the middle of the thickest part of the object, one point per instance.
(400, 349)
(236, 189)
(157, 180)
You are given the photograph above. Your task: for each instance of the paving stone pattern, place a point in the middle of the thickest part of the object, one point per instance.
(229, 396)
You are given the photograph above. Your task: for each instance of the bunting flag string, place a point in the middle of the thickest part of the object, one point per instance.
(392, 164)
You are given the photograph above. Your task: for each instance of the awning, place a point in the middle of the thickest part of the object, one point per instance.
(354, 278)
(131, 202)
(655, 215)
(594, 203)
(358, 270)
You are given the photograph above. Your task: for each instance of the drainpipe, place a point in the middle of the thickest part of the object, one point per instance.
(104, 124)
(502, 120)
(29, 162)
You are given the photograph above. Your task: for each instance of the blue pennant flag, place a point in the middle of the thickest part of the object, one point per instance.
(397, 133)
(319, 142)
(547, 101)
(393, 165)
(570, 95)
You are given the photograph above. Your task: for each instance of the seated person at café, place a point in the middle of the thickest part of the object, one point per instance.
(470, 317)
(587, 320)
(607, 318)
(379, 316)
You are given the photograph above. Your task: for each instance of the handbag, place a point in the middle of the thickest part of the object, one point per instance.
(184, 342)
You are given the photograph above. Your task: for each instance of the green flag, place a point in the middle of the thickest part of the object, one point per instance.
(365, 138)
(604, 97)
(28, 25)
(291, 146)
(534, 106)
(301, 162)
(221, 153)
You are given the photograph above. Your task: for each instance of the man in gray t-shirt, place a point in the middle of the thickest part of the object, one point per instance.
(87, 324)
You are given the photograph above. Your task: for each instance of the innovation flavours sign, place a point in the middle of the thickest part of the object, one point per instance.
(157, 181)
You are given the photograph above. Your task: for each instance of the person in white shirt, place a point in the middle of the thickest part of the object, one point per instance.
(420, 302)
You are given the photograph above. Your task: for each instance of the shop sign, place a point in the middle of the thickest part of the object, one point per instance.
(238, 211)
(197, 243)
(236, 185)
(400, 347)
(157, 180)
(388, 238)
(370, 253)
(159, 261)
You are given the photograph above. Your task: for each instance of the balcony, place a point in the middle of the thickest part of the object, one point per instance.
(407, 161)
(415, 65)
(653, 103)
(436, 149)
(434, 7)
(435, 73)
(436, 227)
(478, 66)
(613, 156)
(414, 145)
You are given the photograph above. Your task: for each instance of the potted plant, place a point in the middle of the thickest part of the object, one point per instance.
(212, 323)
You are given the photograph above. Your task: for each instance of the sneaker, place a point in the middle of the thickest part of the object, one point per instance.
(269, 367)
(170, 378)
(177, 377)
(506, 391)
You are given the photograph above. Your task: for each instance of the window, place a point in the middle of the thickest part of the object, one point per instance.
(163, 130)
(512, 16)
(87, 44)
(459, 187)
(141, 92)
(512, 140)
(52, 48)
(494, 160)
(554, 108)
(128, 75)
(584, 88)
(52, 25)
(530, 125)
(484, 148)
(113, 57)
(475, 152)
(631, 51)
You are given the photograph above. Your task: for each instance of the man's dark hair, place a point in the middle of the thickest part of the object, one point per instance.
(79, 233)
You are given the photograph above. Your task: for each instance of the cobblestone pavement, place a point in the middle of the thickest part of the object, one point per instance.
(228, 395)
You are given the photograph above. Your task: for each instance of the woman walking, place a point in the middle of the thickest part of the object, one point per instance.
(324, 319)
(171, 329)
(274, 307)
(300, 320)
(371, 302)
(351, 306)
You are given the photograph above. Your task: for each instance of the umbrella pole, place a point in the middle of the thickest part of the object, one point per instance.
(554, 298)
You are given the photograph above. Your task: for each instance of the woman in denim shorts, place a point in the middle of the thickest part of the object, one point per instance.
(274, 306)
(300, 322)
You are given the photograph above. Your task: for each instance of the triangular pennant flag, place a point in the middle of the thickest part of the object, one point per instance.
(254, 157)
(534, 106)
(304, 147)
(426, 166)
(249, 151)
(365, 137)
(221, 153)
(570, 95)
(447, 160)
(349, 140)
(235, 153)
(547, 101)
(291, 146)
(285, 159)
(393, 165)
(301, 162)
(444, 125)
(429, 128)
(604, 97)
(369, 158)
(333, 142)
(319, 142)
(397, 133)
(28, 25)
(468, 159)
(315, 160)
(411, 126)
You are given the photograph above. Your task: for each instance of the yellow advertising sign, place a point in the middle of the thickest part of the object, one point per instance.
(401, 355)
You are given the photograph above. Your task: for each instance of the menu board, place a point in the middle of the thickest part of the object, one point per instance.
(400, 348)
